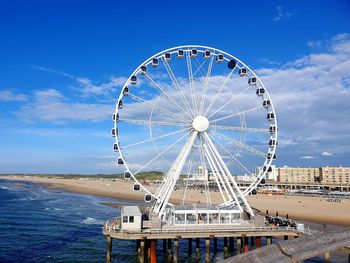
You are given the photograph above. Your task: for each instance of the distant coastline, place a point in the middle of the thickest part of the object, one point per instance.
(312, 209)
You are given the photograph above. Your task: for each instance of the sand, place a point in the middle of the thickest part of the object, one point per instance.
(313, 209)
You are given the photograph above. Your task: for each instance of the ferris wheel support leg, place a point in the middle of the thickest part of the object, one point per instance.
(240, 194)
(172, 176)
(223, 173)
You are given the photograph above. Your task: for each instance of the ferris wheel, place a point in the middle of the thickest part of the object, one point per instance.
(195, 113)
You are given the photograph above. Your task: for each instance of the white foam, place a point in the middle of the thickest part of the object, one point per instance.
(92, 221)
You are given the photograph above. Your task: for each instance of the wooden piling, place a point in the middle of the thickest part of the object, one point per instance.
(138, 247)
(142, 251)
(176, 249)
(327, 257)
(169, 251)
(239, 245)
(246, 245)
(207, 250)
(109, 249)
(252, 242)
(153, 250)
(215, 244)
(164, 247)
(190, 246)
(197, 250)
(258, 242)
(225, 247)
(231, 245)
(268, 241)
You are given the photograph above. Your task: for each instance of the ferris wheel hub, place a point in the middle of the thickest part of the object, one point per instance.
(200, 123)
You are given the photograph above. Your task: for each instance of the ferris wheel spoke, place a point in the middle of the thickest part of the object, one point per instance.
(199, 67)
(240, 129)
(242, 145)
(177, 86)
(151, 122)
(233, 158)
(235, 114)
(206, 84)
(160, 154)
(161, 90)
(227, 103)
(222, 87)
(152, 105)
(191, 81)
(153, 139)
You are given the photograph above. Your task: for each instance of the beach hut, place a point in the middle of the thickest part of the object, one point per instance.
(131, 218)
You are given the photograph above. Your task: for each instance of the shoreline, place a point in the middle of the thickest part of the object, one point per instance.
(300, 208)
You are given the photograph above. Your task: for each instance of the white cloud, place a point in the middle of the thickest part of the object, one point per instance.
(282, 14)
(8, 95)
(327, 154)
(307, 157)
(50, 105)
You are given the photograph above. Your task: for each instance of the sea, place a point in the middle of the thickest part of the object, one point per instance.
(41, 224)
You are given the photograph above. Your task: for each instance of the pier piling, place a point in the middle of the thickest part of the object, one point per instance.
(169, 251)
(246, 245)
(190, 246)
(268, 241)
(176, 249)
(258, 242)
(225, 247)
(197, 250)
(252, 242)
(231, 244)
(164, 247)
(109, 249)
(142, 251)
(153, 250)
(207, 250)
(215, 244)
(239, 245)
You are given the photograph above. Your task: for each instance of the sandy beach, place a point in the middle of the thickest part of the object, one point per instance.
(313, 209)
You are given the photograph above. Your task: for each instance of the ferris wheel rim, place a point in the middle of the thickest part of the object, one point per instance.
(172, 50)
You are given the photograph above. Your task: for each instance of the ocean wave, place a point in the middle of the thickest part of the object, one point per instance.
(92, 221)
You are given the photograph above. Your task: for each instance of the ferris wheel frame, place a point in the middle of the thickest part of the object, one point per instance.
(226, 57)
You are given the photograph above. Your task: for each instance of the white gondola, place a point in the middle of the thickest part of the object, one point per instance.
(143, 70)
(242, 72)
(219, 58)
(127, 175)
(272, 143)
(133, 80)
(266, 103)
(193, 53)
(126, 91)
(137, 187)
(206, 54)
(120, 104)
(148, 198)
(155, 62)
(180, 54)
(252, 81)
(116, 147)
(114, 132)
(115, 117)
(260, 92)
(231, 64)
(272, 129)
(167, 56)
(270, 156)
(270, 116)
(120, 161)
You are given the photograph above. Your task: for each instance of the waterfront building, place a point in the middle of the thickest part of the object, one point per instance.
(298, 175)
(335, 175)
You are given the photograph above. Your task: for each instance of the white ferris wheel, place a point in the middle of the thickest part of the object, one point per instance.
(195, 113)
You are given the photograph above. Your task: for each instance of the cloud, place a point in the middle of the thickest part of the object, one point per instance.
(281, 14)
(8, 96)
(307, 157)
(327, 154)
(87, 87)
(52, 106)
(311, 96)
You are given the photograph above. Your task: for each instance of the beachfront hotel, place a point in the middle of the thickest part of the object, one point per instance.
(324, 175)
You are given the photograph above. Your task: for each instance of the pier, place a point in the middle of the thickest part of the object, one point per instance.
(236, 239)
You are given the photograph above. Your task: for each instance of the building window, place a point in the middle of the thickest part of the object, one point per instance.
(131, 219)
(125, 219)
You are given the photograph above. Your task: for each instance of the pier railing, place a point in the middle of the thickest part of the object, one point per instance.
(221, 229)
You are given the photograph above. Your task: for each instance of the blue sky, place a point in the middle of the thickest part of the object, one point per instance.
(62, 63)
